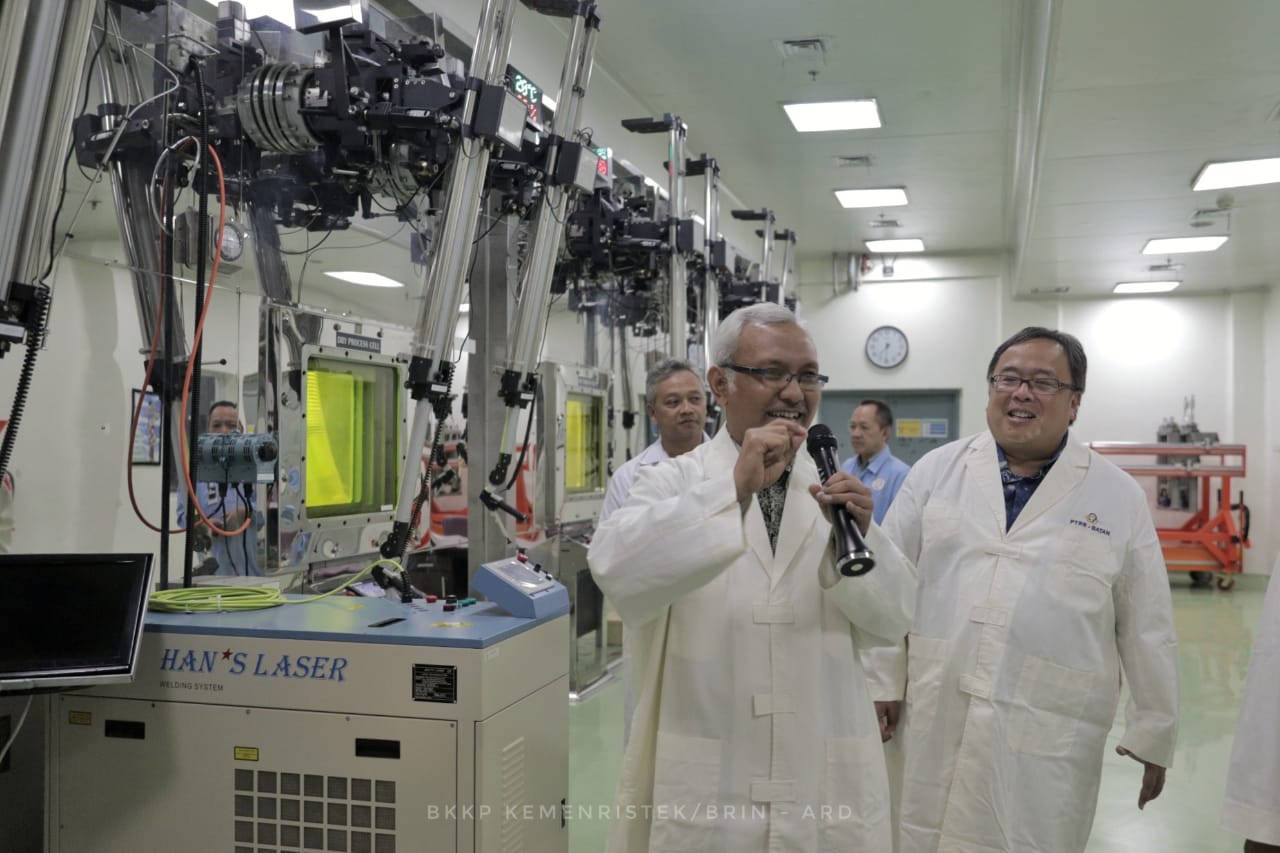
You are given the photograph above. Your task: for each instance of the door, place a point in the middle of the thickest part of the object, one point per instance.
(923, 420)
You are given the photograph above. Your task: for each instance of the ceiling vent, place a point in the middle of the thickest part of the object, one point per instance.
(812, 50)
(850, 161)
(884, 222)
(1167, 266)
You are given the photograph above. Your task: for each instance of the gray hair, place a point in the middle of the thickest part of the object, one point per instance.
(1077, 364)
(725, 343)
(661, 372)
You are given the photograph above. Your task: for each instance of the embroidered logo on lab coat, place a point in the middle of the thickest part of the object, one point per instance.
(1089, 522)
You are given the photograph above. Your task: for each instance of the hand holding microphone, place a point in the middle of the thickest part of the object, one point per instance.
(852, 556)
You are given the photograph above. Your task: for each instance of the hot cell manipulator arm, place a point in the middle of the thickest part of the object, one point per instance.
(519, 378)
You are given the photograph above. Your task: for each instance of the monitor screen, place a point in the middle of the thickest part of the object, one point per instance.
(353, 440)
(70, 619)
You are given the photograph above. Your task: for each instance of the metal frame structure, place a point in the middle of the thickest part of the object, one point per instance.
(1214, 536)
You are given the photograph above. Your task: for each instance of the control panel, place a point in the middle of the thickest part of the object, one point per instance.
(520, 587)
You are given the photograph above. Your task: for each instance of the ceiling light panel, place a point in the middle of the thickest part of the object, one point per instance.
(365, 279)
(834, 115)
(912, 244)
(1145, 286)
(883, 197)
(1182, 245)
(1238, 173)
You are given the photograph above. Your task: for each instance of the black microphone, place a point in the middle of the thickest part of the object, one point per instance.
(853, 558)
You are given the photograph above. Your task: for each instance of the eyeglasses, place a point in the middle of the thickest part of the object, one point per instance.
(1009, 382)
(776, 377)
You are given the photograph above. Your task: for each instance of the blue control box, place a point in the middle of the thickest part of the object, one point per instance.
(521, 589)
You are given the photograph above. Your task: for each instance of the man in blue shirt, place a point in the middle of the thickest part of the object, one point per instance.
(227, 506)
(872, 463)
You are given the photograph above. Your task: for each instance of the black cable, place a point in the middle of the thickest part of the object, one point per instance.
(202, 251)
(248, 531)
(35, 339)
(220, 513)
(310, 248)
(492, 225)
(524, 448)
(169, 465)
(528, 427)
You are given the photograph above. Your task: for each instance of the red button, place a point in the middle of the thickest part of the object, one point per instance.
(431, 599)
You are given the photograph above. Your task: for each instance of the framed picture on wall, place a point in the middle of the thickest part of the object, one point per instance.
(147, 440)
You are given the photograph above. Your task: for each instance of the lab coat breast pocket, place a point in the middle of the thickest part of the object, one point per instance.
(686, 782)
(939, 526)
(1080, 579)
(1047, 705)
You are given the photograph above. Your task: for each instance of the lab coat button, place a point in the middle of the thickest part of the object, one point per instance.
(1002, 549)
(765, 704)
(975, 687)
(998, 616)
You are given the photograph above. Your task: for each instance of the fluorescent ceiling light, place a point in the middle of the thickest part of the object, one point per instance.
(884, 197)
(1145, 286)
(834, 115)
(1180, 245)
(1238, 173)
(913, 244)
(549, 102)
(698, 219)
(464, 308)
(366, 279)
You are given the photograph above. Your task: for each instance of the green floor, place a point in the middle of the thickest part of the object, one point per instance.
(1215, 633)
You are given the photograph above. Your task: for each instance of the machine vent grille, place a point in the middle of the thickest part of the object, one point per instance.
(284, 812)
(514, 761)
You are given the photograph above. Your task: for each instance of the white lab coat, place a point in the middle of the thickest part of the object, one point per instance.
(622, 479)
(1013, 668)
(614, 497)
(753, 727)
(1252, 804)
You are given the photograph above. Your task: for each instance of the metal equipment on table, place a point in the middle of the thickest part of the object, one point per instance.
(1212, 538)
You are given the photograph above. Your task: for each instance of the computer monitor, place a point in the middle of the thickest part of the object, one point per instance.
(69, 620)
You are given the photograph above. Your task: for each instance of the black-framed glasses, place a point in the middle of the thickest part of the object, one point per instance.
(776, 377)
(1044, 385)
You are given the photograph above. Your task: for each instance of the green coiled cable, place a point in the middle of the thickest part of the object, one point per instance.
(234, 599)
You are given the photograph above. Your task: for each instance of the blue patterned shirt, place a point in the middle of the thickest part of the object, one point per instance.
(1018, 490)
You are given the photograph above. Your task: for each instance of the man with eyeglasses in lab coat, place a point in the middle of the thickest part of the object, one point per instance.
(753, 725)
(1041, 581)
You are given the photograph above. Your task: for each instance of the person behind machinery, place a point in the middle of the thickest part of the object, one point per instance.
(227, 505)
(676, 402)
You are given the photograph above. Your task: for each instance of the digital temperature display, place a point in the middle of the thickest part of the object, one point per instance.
(529, 93)
(603, 167)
